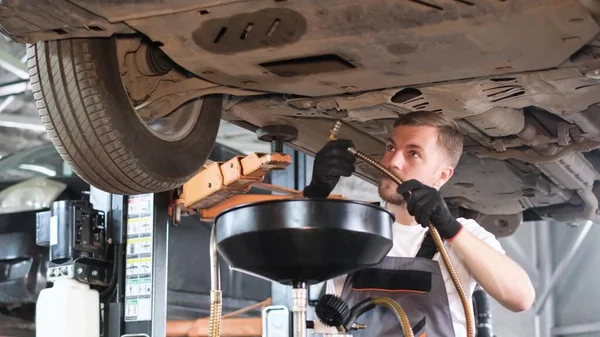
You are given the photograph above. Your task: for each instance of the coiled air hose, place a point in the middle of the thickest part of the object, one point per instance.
(434, 233)
(334, 312)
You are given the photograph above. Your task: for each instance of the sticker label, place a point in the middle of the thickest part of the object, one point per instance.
(53, 230)
(138, 282)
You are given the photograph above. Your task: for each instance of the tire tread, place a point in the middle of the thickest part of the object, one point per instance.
(70, 100)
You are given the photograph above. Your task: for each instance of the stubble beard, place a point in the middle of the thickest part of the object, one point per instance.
(387, 192)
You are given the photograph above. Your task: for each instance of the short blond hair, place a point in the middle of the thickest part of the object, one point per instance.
(449, 136)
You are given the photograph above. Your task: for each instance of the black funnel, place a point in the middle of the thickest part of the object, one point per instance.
(303, 240)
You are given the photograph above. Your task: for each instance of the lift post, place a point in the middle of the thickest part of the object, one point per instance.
(139, 226)
(146, 265)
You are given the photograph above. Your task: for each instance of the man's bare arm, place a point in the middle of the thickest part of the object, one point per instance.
(498, 275)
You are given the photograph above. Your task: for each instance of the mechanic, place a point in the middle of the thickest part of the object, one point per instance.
(423, 150)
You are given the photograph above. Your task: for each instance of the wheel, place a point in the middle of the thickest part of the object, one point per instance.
(92, 123)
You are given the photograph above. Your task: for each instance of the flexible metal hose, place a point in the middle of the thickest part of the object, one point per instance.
(216, 306)
(400, 314)
(434, 233)
(216, 300)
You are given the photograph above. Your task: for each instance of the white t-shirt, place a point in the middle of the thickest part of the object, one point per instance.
(407, 241)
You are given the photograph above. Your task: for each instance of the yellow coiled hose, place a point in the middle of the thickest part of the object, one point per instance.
(434, 233)
(400, 314)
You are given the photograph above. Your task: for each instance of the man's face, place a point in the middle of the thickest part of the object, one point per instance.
(412, 152)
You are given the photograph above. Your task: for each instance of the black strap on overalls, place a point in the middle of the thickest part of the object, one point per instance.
(428, 247)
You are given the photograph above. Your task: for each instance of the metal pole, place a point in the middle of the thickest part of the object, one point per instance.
(299, 306)
(545, 319)
(14, 88)
(14, 65)
(160, 265)
(295, 297)
(146, 270)
(21, 122)
(522, 258)
(216, 296)
(215, 271)
(564, 263)
(534, 245)
(6, 102)
(576, 329)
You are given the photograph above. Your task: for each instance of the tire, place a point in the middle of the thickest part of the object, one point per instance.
(90, 120)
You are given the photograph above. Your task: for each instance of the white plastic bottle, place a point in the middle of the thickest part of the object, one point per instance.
(68, 309)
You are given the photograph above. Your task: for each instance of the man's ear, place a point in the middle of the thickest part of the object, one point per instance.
(443, 176)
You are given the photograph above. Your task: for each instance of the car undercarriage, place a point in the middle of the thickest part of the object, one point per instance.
(521, 78)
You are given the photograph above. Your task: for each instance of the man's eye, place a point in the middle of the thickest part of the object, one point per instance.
(389, 147)
(414, 154)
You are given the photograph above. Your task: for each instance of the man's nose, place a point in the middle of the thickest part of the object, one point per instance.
(396, 160)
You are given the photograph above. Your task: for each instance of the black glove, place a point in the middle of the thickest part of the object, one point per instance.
(428, 207)
(331, 162)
